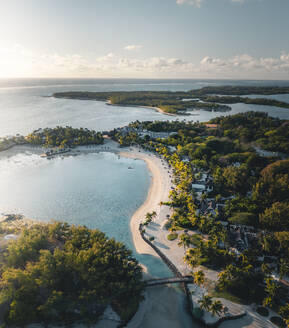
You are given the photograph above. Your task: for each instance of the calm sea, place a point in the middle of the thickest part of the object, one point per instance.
(24, 105)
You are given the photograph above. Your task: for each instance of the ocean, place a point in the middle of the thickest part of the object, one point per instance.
(25, 104)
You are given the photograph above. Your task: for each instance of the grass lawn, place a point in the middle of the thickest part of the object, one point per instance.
(172, 236)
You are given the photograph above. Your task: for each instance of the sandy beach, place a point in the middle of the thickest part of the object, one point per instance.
(159, 190)
(150, 107)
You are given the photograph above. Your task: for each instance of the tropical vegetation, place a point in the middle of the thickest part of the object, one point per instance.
(245, 193)
(58, 273)
(64, 137)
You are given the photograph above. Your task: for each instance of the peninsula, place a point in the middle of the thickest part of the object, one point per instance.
(207, 98)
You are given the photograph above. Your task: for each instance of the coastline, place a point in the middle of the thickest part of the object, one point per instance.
(108, 102)
(159, 191)
(160, 187)
(163, 304)
(171, 300)
(151, 310)
(157, 109)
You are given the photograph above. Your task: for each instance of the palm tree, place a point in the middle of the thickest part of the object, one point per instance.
(185, 240)
(199, 277)
(216, 308)
(273, 291)
(191, 260)
(148, 217)
(205, 302)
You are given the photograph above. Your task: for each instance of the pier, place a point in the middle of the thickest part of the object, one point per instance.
(173, 280)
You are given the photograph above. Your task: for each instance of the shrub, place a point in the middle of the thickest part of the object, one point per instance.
(262, 311)
(172, 236)
(152, 238)
(278, 322)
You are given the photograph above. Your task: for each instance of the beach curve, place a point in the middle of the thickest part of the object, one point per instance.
(159, 189)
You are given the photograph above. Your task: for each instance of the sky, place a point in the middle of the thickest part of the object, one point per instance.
(241, 39)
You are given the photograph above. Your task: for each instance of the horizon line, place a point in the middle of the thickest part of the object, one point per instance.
(139, 78)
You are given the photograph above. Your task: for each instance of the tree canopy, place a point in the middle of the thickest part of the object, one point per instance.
(60, 273)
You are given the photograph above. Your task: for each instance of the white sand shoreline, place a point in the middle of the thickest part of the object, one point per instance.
(157, 109)
(160, 187)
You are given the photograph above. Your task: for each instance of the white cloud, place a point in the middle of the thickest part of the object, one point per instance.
(198, 3)
(190, 2)
(247, 65)
(133, 47)
(17, 61)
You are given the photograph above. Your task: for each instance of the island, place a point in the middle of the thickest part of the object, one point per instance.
(207, 98)
(165, 102)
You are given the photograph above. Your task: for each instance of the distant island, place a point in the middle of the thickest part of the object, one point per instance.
(207, 98)
(241, 90)
(166, 102)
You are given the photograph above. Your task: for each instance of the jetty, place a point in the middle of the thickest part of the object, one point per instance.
(172, 280)
(52, 153)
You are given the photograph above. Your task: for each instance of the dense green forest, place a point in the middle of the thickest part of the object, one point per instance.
(169, 102)
(241, 90)
(180, 102)
(248, 129)
(64, 137)
(58, 273)
(267, 132)
(249, 101)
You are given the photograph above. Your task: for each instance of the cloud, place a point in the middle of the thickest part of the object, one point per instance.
(133, 47)
(17, 61)
(190, 2)
(198, 3)
(246, 64)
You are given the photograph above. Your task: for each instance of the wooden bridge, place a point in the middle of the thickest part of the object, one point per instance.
(173, 280)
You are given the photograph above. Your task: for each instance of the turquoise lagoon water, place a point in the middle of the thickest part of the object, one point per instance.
(96, 190)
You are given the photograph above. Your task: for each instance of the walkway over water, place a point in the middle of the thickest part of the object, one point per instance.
(173, 280)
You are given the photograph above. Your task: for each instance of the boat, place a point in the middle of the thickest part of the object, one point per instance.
(130, 168)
